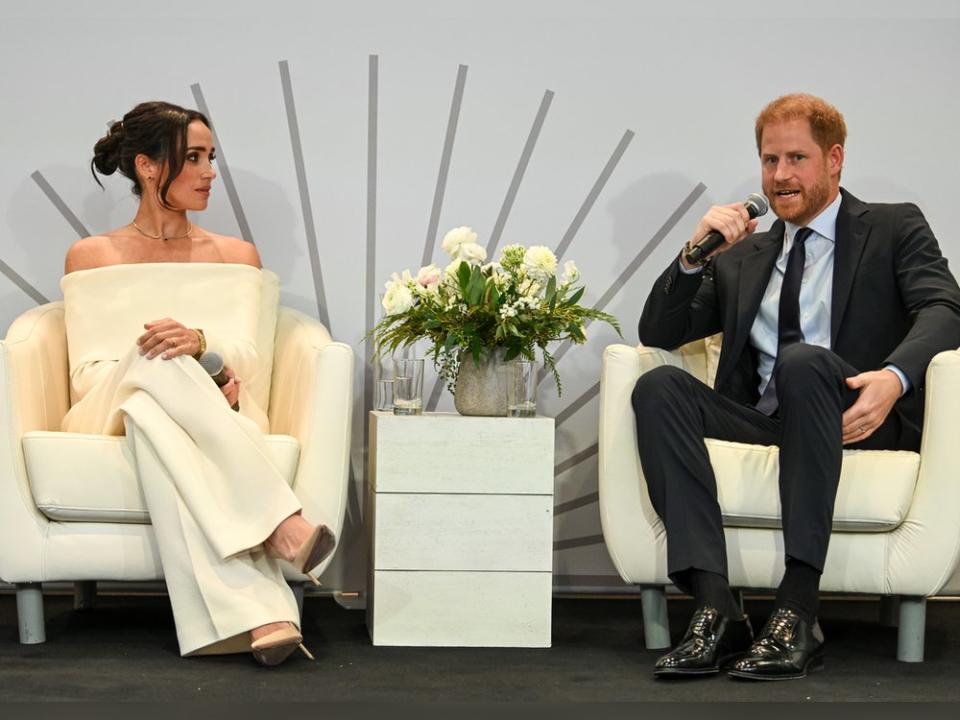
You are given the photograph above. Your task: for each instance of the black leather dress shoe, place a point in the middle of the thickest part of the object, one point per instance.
(787, 648)
(711, 641)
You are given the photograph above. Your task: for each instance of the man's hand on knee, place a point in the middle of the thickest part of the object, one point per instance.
(879, 392)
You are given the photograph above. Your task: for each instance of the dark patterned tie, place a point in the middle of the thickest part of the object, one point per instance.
(788, 321)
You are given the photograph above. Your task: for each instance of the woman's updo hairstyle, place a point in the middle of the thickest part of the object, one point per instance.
(155, 129)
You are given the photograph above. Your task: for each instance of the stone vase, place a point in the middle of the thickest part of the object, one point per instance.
(482, 390)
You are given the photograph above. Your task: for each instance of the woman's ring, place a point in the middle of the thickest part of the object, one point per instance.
(860, 429)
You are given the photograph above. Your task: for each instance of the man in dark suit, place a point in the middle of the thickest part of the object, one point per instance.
(829, 321)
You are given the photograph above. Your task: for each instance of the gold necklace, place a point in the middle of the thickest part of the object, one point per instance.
(161, 237)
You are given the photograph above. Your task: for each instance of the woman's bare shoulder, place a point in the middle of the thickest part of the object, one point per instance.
(90, 252)
(235, 250)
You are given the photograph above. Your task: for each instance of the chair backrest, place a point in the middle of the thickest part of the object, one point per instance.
(700, 358)
(259, 384)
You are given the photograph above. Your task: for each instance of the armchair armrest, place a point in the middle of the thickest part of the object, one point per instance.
(925, 548)
(311, 398)
(34, 395)
(621, 486)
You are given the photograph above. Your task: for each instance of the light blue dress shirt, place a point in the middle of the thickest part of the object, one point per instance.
(816, 291)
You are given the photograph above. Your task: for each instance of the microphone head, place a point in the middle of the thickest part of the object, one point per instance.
(756, 205)
(212, 363)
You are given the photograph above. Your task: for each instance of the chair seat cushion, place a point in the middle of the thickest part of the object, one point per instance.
(76, 477)
(876, 486)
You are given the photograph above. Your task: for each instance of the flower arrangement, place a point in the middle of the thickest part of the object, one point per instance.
(471, 308)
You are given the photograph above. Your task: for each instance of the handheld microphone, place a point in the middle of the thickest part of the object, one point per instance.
(756, 205)
(212, 363)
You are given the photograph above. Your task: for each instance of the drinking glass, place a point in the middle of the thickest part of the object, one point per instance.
(522, 389)
(407, 386)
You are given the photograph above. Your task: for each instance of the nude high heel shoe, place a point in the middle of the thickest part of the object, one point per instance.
(315, 550)
(276, 647)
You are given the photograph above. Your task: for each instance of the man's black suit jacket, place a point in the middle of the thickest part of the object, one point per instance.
(894, 301)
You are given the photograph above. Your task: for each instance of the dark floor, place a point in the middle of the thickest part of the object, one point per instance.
(125, 649)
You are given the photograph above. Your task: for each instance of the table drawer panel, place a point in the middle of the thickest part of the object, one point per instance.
(463, 532)
(449, 453)
(461, 609)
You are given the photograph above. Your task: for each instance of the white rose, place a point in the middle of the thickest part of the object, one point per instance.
(570, 273)
(540, 261)
(472, 253)
(429, 277)
(457, 237)
(397, 299)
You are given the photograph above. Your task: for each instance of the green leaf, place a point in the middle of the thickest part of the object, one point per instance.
(575, 297)
(512, 352)
(463, 276)
(551, 295)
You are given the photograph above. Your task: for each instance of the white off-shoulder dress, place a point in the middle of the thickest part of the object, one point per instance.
(212, 492)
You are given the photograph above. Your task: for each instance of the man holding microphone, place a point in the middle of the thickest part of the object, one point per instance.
(829, 321)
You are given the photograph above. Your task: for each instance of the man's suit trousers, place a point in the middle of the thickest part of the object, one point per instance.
(675, 412)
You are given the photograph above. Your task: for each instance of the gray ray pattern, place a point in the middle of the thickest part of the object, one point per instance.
(59, 204)
(594, 193)
(635, 264)
(577, 404)
(576, 459)
(518, 174)
(583, 501)
(577, 542)
(224, 168)
(305, 206)
(370, 279)
(447, 153)
(18, 280)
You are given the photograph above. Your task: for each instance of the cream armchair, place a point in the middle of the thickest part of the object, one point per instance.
(71, 508)
(896, 522)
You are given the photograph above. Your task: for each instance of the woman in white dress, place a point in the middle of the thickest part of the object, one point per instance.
(222, 514)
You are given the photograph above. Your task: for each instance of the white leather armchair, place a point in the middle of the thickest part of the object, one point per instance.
(896, 521)
(71, 508)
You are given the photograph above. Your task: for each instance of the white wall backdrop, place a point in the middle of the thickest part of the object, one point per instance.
(662, 98)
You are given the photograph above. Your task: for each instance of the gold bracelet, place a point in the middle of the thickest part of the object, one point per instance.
(202, 339)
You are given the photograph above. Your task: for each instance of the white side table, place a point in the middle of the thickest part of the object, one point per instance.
(460, 522)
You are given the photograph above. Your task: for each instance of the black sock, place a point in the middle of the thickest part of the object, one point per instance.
(712, 589)
(800, 589)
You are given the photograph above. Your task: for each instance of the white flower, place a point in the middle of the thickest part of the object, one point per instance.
(398, 298)
(457, 237)
(540, 262)
(450, 271)
(508, 311)
(429, 277)
(472, 253)
(570, 273)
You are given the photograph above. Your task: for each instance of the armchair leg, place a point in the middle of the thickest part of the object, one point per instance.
(84, 594)
(889, 611)
(656, 626)
(30, 613)
(913, 621)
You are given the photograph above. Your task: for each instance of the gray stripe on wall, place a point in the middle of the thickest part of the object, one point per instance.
(59, 204)
(588, 499)
(631, 269)
(18, 280)
(578, 542)
(370, 279)
(576, 459)
(577, 404)
(308, 226)
(224, 168)
(445, 156)
(519, 172)
(594, 193)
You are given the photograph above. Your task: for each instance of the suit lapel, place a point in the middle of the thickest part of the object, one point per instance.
(851, 239)
(754, 275)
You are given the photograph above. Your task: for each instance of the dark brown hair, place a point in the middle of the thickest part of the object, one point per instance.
(156, 129)
(826, 122)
